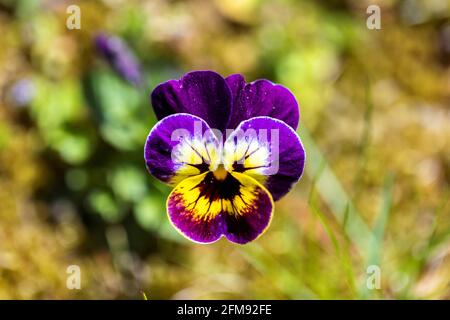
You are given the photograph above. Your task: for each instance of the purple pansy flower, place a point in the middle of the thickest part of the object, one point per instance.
(224, 186)
(120, 57)
(22, 92)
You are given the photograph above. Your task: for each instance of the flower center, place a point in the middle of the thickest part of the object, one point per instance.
(220, 173)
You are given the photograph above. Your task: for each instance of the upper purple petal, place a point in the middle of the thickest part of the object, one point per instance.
(201, 93)
(261, 98)
(236, 82)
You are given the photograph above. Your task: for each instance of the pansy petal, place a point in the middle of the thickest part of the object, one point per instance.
(202, 208)
(249, 214)
(201, 93)
(262, 98)
(179, 146)
(269, 151)
(192, 213)
(236, 82)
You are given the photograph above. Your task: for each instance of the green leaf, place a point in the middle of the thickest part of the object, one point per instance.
(104, 204)
(129, 183)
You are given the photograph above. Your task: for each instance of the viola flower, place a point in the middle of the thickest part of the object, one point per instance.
(22, 92)
(115, 51)
(224, 186)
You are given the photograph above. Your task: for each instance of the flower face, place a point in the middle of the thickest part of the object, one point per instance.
(229, 149)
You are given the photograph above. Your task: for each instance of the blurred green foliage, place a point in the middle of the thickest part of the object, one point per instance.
(374, 120)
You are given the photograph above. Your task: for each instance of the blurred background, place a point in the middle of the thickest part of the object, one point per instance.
(375, 115)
